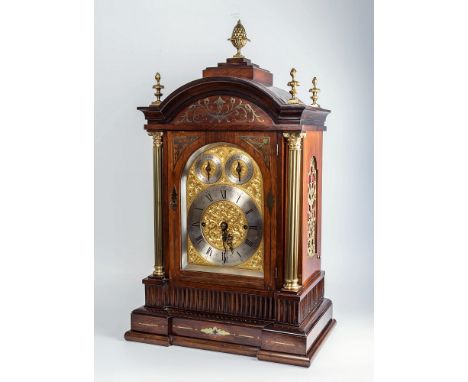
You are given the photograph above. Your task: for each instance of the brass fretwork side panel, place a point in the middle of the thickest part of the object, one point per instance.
(312, 208)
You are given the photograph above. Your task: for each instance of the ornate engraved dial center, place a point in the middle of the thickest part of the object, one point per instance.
(212, 224)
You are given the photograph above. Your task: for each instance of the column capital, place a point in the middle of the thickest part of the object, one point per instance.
(294, 140)
(157, 137)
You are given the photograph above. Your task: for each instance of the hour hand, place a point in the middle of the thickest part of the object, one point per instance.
(239, 170)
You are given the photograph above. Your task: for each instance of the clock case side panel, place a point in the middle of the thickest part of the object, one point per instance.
(310, 266)
(176, 165)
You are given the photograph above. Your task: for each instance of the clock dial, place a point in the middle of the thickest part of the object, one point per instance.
(222, 203)
(239, 168)
(224, 225)
(208, 168)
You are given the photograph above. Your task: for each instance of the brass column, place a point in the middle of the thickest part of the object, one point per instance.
(291, 281)
(157, 184)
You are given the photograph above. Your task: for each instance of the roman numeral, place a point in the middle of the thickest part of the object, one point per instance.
(239, 254)
(249, 243)
(253, 227)
(199, 239)
(209, 197)
(238, 198)
(209, 251)
(194, 224)
(223, 193)
(249, 211)
(197, 208)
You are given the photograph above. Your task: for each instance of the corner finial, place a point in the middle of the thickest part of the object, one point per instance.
(238, 39)
(315, 90)
(293, 84)
(158, 88)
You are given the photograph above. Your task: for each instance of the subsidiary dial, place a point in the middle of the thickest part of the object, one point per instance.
(239, 168)
(208, 168)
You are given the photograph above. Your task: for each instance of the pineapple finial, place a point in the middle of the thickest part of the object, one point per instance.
(238, 39)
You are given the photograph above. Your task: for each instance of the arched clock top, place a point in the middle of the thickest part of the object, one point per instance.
(209, 100)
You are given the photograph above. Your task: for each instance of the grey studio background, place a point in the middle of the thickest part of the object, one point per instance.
(332, 40)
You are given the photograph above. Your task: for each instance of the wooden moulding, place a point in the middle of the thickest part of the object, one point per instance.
(240, 68)
(295, 345)
(277, 306)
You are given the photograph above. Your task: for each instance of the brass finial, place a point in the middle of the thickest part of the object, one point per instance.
(158, 88)
(315, 90)
(238, 39)
(293, 83)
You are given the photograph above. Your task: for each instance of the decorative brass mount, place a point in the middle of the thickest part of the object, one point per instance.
(315, 90)
(293, 84)
(158, 88)
(238, 38)
(215, 331)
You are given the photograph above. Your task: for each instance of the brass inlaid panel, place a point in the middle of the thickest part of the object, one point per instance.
(221, 109)
(180, 143)
(261, 145)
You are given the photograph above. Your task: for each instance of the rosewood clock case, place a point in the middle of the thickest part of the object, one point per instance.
(279, 314)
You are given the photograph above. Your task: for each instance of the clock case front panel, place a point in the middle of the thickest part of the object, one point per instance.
(231, 313)
(174, 232)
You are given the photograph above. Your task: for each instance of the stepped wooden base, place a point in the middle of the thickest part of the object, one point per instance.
(295, 345)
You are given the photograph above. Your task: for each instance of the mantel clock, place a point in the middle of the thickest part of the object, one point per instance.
(237, 216)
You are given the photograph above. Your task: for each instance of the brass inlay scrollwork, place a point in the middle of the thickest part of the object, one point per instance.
(145, 324)
(223, 109)
(312, 209)
(261, 145)
(179, 144)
